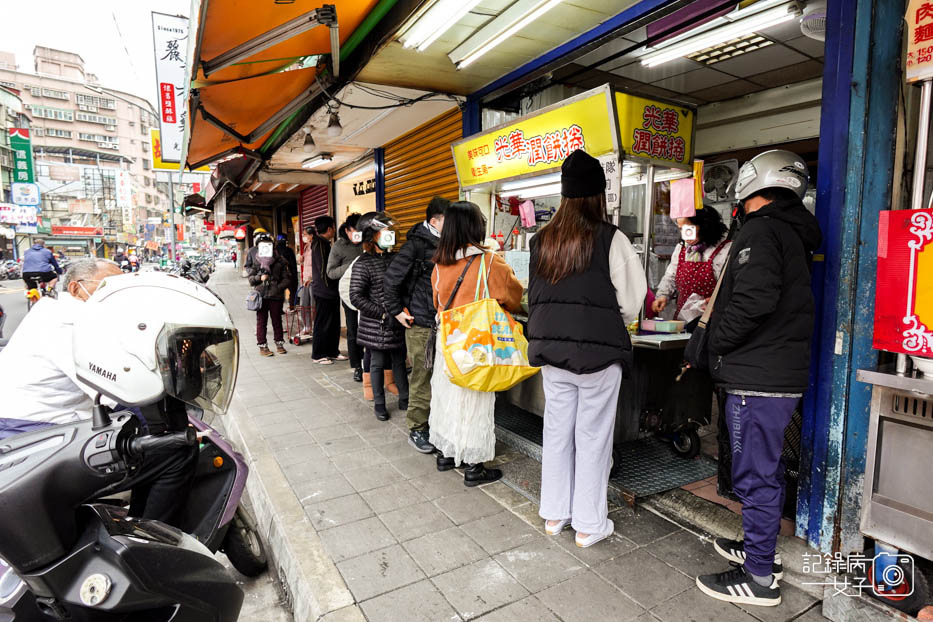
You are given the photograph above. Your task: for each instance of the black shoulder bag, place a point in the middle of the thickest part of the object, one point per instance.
(430, 348)
(696, 354)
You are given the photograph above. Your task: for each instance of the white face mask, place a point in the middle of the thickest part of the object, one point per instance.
(265, 249)
(356, 237)
(688, 233)
(386, 240)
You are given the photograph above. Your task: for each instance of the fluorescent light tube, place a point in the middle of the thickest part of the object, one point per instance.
(528, 183)
(317, 160)
(533, 192)
(744, 26)
(436, 21)
(499, 29)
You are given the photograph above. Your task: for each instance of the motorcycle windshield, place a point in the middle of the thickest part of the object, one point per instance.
(198, 364)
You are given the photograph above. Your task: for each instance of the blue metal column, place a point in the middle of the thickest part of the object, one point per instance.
(472, 117)
(860, 95)
(379, 157)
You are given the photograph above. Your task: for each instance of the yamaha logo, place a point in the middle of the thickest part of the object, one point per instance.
(100, 371)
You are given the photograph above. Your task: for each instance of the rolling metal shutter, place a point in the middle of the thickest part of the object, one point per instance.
(420, 165)
(313, 202)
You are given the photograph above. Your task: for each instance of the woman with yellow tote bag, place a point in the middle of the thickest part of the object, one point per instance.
(461, 422)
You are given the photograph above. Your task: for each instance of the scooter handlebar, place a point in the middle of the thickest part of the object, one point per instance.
(141, 445)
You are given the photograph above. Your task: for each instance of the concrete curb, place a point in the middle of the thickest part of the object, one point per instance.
(312, 583)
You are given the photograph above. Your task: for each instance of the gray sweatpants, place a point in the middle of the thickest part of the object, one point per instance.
(579, 419)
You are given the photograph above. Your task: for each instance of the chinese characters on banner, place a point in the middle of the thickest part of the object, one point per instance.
(903, 297)
(538, 143)
(124, 190)
(170, 39)
(919, 20)
(21, 145)
(655, 130)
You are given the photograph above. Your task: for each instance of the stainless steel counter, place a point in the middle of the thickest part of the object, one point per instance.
(885, 376)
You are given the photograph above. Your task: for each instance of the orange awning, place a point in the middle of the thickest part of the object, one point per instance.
(250, 92)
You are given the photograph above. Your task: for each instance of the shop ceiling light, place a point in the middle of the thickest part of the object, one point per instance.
(333, 126)
(308, 145)
(533, 192)
(741, 23)
(528, 183)
(499, 29)
(317, 160)
(436, 21)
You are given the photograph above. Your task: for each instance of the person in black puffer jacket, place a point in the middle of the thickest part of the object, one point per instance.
(759, 343)
(269, 274)
(378, 331)
(409, 297)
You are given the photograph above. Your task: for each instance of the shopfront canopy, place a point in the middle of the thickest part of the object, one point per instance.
(256, 65)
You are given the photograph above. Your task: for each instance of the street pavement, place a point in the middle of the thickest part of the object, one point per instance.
(365, 528)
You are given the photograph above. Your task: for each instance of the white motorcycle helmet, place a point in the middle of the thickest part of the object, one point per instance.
(141, 337)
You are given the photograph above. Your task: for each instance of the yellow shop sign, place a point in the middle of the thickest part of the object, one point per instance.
(654, 130)
(538, 143)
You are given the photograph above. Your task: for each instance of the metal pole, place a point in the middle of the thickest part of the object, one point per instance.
(923, 134)
(902, 365)
(646, 224)
(171, 204)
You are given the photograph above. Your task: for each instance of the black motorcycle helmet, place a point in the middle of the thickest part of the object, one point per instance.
(371, 223)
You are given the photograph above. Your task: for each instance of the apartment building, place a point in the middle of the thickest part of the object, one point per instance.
(83, 135)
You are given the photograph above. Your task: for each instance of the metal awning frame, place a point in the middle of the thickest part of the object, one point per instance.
(326, 16)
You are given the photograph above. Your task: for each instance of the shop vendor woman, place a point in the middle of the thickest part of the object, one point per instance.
(696, 262)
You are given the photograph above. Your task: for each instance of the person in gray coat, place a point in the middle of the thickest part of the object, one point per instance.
(345, 250)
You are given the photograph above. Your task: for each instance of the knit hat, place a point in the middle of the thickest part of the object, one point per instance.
(581, 175)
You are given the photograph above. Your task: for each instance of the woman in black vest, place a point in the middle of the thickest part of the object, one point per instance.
(586, 283)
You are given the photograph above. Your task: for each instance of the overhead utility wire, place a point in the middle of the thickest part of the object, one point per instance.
(434, 96)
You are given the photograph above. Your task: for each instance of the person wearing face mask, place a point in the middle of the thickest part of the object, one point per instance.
(759, 345)
(696, 262)
(325, 348)
(306, 299)
(345, 251)
(379, 332)
(269, 274)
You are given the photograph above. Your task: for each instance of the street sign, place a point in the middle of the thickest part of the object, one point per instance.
(21, 145)
(25, 194)
(919, 20)
(170, 42)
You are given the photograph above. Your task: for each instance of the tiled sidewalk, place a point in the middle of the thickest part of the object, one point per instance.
(410, 543)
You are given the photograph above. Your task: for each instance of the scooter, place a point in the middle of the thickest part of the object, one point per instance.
(68, 559)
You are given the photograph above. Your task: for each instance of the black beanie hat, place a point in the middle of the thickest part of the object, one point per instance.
(581, 175)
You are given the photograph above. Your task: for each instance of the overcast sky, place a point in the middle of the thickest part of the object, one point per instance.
(114, 37)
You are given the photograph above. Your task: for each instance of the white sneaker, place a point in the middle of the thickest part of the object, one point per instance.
(556, 529)
(593, 538)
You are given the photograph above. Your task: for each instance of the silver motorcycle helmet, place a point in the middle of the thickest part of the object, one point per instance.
(777, 168)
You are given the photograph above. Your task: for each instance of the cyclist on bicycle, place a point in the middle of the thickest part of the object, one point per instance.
(39, 266)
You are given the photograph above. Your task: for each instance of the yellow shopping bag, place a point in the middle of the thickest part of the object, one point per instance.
(482, 344)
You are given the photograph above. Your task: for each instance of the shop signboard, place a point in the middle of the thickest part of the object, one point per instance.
(76, 231)
(25, 193)
(655, 131)
(158, 164)
(13, 214)
(919, 19)
(170, 42)
(21, 145)
(903, 296)
(538, 143)
(124, 184)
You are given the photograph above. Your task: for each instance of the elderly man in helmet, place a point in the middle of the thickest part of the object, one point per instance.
(759, 342)
(42, 388)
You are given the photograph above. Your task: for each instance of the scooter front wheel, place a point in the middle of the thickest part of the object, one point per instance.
(243, 546)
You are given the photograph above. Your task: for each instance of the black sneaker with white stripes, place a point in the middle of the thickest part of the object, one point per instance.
(734, 551)
(737, 586)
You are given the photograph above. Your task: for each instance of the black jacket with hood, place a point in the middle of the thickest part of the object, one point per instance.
(274, 287)
(408, 278)
(762, 321)
(377, 329)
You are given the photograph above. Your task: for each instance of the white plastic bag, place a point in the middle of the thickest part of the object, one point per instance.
(693, 308)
